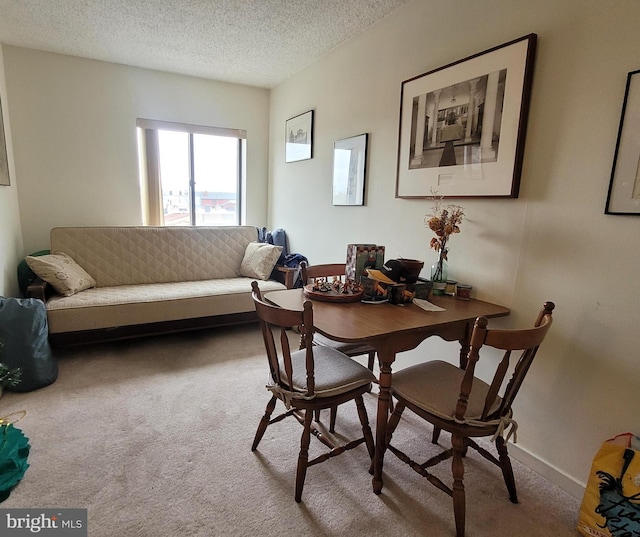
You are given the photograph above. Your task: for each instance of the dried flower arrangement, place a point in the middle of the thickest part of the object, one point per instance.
(444, 221)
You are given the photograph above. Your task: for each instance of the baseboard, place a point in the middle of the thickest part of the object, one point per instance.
(548, 471)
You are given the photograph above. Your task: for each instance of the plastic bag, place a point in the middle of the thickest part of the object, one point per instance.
(24, 333)
(611, 503)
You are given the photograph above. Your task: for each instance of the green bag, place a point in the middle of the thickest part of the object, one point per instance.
(14, 451)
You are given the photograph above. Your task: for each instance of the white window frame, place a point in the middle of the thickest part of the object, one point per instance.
(149, 163)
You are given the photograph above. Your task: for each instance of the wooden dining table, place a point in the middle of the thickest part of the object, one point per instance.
(391, 329)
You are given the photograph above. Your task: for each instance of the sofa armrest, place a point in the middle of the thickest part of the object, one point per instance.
(38, 289)
(285, 275)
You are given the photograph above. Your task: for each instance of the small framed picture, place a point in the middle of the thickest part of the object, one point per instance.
(349, 170)
(624, 187)
(298, 141)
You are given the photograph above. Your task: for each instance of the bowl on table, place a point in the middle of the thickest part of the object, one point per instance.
(412, 269)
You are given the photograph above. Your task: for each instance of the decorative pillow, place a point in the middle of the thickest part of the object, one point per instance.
(62, 272)
(259, 260)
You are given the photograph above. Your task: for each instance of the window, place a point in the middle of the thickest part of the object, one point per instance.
(191, 175)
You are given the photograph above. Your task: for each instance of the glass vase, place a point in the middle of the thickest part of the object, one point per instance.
(439, 274)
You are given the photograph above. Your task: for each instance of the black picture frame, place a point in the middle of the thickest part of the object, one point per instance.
(462, 126)
(298, 137)
(4, 158)
(623, 196)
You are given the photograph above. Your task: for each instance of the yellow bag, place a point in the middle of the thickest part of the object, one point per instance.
(611, 503)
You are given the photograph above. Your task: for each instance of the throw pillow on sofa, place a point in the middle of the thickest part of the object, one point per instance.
(61, 272)
(259, 260)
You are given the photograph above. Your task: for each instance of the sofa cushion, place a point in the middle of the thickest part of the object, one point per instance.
(130, 255)
(105, 307)
(61, 272)
(259, 260)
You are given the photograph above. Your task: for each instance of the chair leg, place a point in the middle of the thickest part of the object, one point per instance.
(436, 434)
(264, 422)
(372, 360)
(303, 457)
(457, 467)
(366, 429)
(334, 410)
(507, 469)
(394, 420)
(332, 419)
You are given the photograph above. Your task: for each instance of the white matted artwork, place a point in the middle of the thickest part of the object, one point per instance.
(463, 126)
(349, 170)
(624, 187)
(299, 137)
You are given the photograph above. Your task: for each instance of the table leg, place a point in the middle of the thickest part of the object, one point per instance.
(384, 397)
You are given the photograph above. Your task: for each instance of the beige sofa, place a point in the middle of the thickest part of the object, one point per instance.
(151, 280)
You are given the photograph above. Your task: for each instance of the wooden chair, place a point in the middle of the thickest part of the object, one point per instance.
(303, 387)
(309, 275)
(454, 400)
(330, 271)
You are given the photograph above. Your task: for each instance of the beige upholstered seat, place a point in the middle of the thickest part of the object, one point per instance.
(440, 397)
(307, 381)
(350, 349)
(465, 406)
(335, 376)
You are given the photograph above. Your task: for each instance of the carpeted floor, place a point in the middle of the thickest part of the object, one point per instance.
(153, 437)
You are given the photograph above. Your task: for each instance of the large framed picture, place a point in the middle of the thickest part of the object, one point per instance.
(349, 170)
(624, 188)
(463, 126)
(299, 137)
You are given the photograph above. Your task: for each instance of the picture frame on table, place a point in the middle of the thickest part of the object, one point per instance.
(298, 141)
(349, 170)
(4, 158)
(462, 126)
(623, 196)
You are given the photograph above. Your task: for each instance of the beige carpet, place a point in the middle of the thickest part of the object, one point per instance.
(153, 437)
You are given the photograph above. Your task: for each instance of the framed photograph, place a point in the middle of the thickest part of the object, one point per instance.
(298, 141)
(349, 170)
(4, 159)
(462, 126)
(624, 187)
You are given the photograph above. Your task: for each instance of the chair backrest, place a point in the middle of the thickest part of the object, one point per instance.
(524, 343)
(274, 322)
(310, 273)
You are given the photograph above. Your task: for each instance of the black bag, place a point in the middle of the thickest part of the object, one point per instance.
(277, 237)
(25, 275)
(24, 333)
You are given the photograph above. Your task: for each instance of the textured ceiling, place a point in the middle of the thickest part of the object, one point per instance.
(255, 42)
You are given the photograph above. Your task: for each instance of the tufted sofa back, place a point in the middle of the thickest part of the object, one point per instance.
(147, 254)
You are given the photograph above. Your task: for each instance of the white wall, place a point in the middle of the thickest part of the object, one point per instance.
(553, 243)
(10, 232)
(75, 136)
